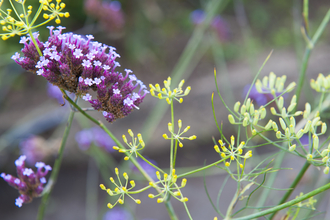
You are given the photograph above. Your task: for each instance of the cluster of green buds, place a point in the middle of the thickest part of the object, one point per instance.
(22, 23)
(232, 152)
(167, 93)
(321, 84)
(177, 136)
(169, 187)
(274, 85)
(120, 190)
(247, 114)
(294, 210)
(136, 145)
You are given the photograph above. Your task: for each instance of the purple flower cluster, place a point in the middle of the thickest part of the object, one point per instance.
(78, 65)
(29, 184)
(109, 14)
(85, 138)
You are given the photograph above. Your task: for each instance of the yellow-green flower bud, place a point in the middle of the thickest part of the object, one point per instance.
(109, 191)
(243, 109)
(179, 123)
(258, 86)
(158, 175)
(265, 82)
(236, 106)
(287, 133)
(323, 128)
(132, 182)
(256, 117)
(292, 129)
(151, 196)
(231, 119)
(269, 125)
(183, 182)
(109, 205)
(315, 141)
(232, 140)
(290, 87)
(325, 159)
(262, 112)
(273, 111)
(165, 136)
(309, 156)
(315, 121)
(187, 91)
(292, 148)
(248, 154)
(297, 113)
(181, 84)
(116, 171)
(307, 110)
(160, 200)
(124, 138)
(216, 148)
(247, 104)
(275, 128)
(254, 132)
(278, 134)
(324, 152)
(130, 132)
(272, 79)
(307, 126)
(184, 199)
(291, 107)
(193, 137)
(169, 126)
(186, 129)
(326, 170)
(251, 108)
(125, 175)
(282, 123)
(280, 102)
(245, 122)
(102, 187)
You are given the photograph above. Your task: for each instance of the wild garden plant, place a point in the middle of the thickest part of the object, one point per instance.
(88, 69)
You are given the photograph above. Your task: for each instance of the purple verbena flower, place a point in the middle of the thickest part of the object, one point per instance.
(94, 135)
(77, 64)
(117, 213)
(28, 183)
(150, 170)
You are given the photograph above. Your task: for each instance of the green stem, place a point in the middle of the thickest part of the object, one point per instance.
(171, 211)
(270, 181)
(293, 186)
(56, 169)
(35, 43)
(302, 74)
(172, 162)
(285, 205)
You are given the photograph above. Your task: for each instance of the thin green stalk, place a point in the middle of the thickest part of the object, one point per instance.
(171, 211)
(285, 205)
(172, 138)
(187, 210)
(293, 186)
(91, 190)
(35, 42)
(232, 204)
(270, 180)
(56, 169)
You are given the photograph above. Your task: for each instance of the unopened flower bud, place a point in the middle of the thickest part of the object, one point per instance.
(236, 106)
(231, 119)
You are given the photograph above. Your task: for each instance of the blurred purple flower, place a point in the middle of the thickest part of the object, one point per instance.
(55, 92)
(36, 148)
(259, 98)
(94, 135)
(147, 167)
(218, 24)
(117, 213)
(197, 16)
(29, 184)
(109, 14)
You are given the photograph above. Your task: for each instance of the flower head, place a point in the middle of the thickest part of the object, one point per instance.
(28, 183)
(76, 64)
